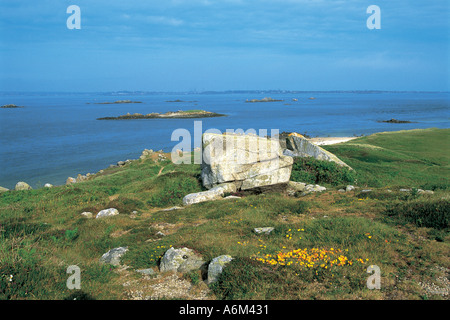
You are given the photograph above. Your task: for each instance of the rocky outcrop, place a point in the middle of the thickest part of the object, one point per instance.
(3, 189)
(298, 146)
(247, 161)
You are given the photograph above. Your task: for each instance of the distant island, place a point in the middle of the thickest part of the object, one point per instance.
(117, 102)
(396, 121)
(10, 106)
(178, 100)
(168, 115)
(263, 100)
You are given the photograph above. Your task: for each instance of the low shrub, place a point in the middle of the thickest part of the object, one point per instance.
(313, 171)
(422, 213)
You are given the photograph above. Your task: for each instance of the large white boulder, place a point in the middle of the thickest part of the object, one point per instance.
(248, 161)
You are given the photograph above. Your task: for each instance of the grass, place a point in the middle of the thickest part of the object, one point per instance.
(320, 248)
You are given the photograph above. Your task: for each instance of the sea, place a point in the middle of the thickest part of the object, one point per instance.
(57, 135)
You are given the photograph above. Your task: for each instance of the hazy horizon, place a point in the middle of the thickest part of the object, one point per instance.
(212, 45)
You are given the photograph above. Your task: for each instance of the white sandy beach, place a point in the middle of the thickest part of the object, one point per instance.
(321, 141)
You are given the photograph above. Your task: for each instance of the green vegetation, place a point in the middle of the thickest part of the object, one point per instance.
(320, 247)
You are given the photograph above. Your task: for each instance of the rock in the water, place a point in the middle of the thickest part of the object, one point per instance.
(180, 260)
(248, 161)
(216, 266)
(3, 189)
(113, 256)
(22, 186)
(263, 230)
(299, 146)
(107, 213)
(215, 193)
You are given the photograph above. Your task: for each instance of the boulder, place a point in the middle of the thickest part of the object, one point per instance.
(3, 189)
(247, 161)
(180, 260)
(298, 146)
(113, 256)
(48, 185)
(215, 193)
(22, 186)
(349, 188)
(216, 266)
(107, 213)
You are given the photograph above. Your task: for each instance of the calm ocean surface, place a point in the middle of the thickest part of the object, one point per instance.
(57, 135)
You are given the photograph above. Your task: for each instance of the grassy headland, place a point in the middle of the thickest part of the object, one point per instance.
(320, 248)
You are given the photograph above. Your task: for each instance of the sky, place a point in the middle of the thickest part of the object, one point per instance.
(203, 45)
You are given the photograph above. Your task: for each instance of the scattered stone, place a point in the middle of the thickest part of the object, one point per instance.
(147, 272)
(232, 197)
(215, 193)
(294, 187)
(173, 208)
(425, 191)
(48, 185)
(349, 188)
(263, 230)
(87, 214)
(366, 190)
(216, 266)
(160, 234)
(180, 260)
(113, 256)
(3, 189)
(405, 190)
(341, 190)
(22, 186)
(71, 180)
(107, 213)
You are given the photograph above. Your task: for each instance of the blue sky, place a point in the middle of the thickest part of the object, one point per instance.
(181, 45)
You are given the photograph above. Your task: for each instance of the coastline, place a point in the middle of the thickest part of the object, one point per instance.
(323, 141)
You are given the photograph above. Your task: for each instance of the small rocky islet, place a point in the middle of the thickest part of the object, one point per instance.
(10, 106)
(180, 114)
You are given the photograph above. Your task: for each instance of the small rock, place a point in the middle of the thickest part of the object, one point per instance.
(107, 213)
(22, 186)
(147, 272)
(71, 180)
(87, 215)
(232, 197)
(425, 191)
(48, 185)
(349, 188)
(113, 256)
(263, 230)
(181, 260)
(405, 190)
(341, 190)
(215, 193)
(173, 208)
(216, 266)
(366, 190)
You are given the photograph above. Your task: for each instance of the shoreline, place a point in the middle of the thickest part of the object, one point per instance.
(323, 141)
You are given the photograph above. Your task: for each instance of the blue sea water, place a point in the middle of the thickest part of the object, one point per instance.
(57, 135)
